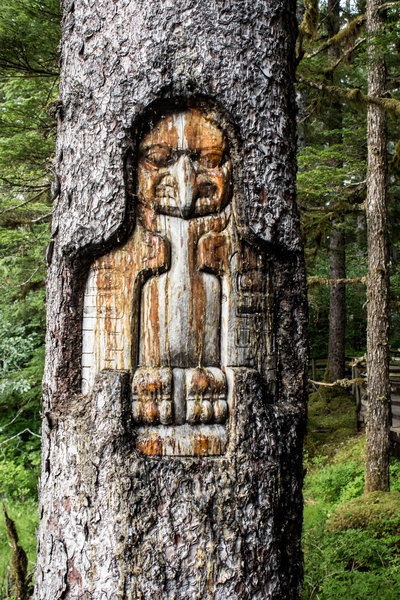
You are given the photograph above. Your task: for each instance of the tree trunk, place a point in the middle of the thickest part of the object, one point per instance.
(337, 308)
(175, 381)
(301, 96)
(337, 256)
(377, 425)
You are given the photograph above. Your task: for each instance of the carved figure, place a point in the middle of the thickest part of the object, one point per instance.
(183, 300)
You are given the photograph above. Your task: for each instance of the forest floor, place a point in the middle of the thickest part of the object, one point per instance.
(351, 541)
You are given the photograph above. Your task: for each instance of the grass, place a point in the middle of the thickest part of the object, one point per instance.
(351, 541)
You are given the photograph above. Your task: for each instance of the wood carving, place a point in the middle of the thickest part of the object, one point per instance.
(183, 302)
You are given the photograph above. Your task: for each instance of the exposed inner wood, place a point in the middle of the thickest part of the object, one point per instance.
(184, 299)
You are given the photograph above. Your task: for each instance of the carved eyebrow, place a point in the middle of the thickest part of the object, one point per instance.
(221, 148)
(217, 148)
(150, 145)
(158, 145)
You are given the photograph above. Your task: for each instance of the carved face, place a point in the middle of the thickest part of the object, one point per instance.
(184, 169)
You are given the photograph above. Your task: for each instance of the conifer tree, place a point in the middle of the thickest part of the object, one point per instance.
(378, 384)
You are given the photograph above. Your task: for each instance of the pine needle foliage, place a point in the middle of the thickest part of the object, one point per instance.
(29, 37)
(332, 175)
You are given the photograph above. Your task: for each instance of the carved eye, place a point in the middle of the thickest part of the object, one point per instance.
(210, 157)
(158, 156)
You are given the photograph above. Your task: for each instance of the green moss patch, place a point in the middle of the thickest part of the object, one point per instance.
(379, 511)
(331, 420)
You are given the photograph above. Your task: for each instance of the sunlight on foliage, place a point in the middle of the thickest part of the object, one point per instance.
(351, 541)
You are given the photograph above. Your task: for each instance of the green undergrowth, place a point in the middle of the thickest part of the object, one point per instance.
(21, 366)
(19, 470)
(378, 511)
(331, 421)
(351, 541)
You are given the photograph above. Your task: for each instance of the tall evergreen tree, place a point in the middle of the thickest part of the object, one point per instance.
(337, 256)
(378, 384)
(29, 36)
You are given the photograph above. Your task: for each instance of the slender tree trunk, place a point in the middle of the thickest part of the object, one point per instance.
(337, 307)
(301, 96)
(377, 426)
(175, 380)
(337, 255)
(301, 101)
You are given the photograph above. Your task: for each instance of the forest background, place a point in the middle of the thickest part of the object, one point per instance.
(351, 540)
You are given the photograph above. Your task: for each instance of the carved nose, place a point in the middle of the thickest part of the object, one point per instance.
(185, 176)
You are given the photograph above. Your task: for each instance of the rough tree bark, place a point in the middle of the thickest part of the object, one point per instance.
(337, 307)
(301, 96)
(378, 385)
(337, 256)
(123, 516)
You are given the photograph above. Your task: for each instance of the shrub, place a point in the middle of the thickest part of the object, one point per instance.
(350, 565)
(336, 483)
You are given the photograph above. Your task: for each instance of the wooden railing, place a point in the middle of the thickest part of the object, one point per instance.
(356, 369)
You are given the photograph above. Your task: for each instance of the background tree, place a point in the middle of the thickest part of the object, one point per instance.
(330, 184)
(29, 34)
(378, 384)
(335, 194)
(335, 368)
(351, 90)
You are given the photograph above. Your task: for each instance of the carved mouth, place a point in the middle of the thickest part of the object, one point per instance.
(206, 190)
(166, 192)
(199, 397)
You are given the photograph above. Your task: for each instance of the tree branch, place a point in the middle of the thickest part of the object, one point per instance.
(20, 433)
(355, 96)
(344, 33)
(314, 280)
(345, 383)
(7, 210)
(345, 55)
(387, 6)
(45, 217)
